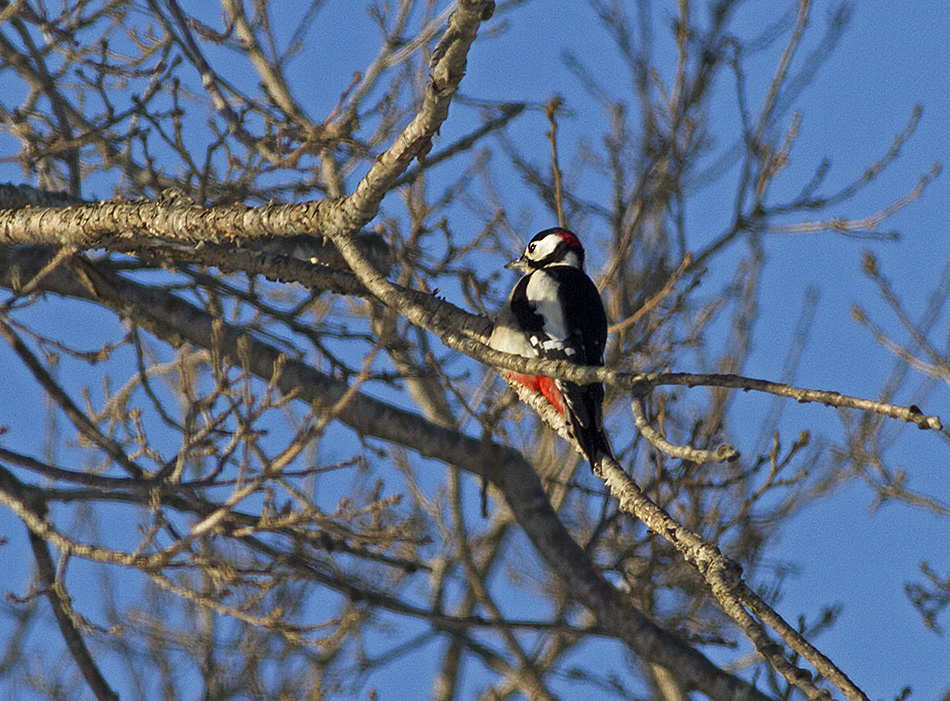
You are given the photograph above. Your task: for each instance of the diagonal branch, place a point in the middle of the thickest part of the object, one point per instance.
(87, 225)
(62, 609)
(79, 418)
(56, 593)
(176, 321)
(722, 575)
(724, 578)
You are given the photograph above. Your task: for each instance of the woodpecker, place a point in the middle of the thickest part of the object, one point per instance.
(555, 312)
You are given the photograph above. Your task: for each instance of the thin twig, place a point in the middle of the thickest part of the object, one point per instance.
(79, 419)
(648, 306)
(723, 453)
(65, 616)
(550, 109)
(63, 254)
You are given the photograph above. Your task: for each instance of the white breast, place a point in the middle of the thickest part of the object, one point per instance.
(542, 292)
(507, 337)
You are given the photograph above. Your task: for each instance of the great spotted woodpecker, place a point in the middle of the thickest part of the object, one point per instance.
(555, 312)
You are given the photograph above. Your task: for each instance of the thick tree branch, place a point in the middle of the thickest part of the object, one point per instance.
(722, 575)
(724, 578)
(456, 328)
(175, 321)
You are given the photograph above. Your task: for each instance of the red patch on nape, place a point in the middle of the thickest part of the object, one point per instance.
(569, 238)
(545, 385)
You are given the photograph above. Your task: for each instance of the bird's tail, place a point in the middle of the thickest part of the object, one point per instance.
(597, 447)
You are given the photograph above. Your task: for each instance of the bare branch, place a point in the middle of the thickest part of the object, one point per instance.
(722, 454)
(55, 590)
(177, 321)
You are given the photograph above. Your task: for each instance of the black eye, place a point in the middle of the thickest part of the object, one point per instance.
(531, 247)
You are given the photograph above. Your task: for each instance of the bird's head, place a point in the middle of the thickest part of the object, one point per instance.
(555, 246)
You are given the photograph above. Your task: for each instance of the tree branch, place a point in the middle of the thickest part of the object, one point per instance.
(175, 321)
(58, 598)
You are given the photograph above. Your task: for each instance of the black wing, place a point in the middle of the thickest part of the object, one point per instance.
(584, 315)
(583, 312)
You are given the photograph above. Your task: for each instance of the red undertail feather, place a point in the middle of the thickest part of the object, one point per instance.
(550, 390)
(544, 385)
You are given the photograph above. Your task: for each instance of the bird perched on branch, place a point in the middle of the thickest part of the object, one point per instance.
(555, 312)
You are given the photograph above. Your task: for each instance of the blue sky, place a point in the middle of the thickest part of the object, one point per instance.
(894, 56)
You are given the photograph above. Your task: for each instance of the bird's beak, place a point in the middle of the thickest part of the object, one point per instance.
(518, 264)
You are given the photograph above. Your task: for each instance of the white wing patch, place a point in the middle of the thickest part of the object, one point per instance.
(552, 344)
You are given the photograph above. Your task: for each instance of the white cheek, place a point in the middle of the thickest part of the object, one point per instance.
(544, 247)
(542, 291)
